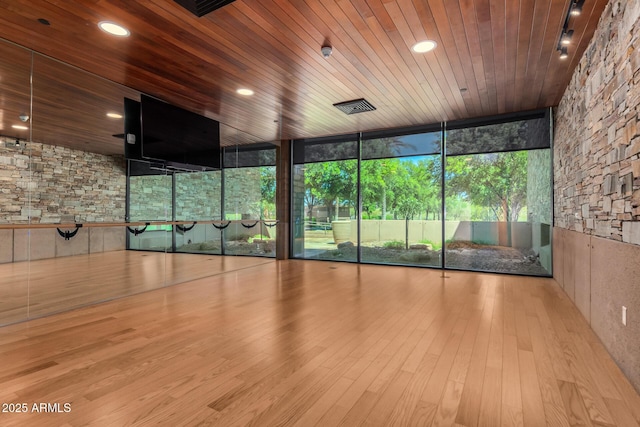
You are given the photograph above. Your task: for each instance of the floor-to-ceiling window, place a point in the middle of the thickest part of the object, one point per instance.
(325, 198)
(400, 182)
(396, 197)
(498, 197)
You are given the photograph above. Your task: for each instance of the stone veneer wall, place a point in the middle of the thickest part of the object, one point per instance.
(597, 134)
(47, 184)
(596, 238)
(150, 198)
(197, 195)
(539, 186)
(242, 192)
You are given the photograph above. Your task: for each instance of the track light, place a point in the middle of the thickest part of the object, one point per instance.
(563, 53)
(576, 7)
(565, 38)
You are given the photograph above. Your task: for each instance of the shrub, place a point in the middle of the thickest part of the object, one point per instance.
(434, 246)
(394, 244)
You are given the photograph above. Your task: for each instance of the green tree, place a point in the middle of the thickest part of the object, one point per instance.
(494, 180)
(332, 183)
(376, 189)
(268, 191)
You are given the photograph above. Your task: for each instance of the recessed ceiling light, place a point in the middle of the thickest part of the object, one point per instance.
(114, 115)
(424, 46)
(245, 92)
(20, 127)
(114, 29)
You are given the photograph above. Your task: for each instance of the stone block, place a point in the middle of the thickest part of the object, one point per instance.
(631, 232)
(626, 184)
(630, 131)
(617, 207)
(585, 210)
(635, 166)
(611, 134)
(633, 148)
(610, 184)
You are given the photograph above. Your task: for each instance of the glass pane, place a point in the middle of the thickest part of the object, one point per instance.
(149, 200)
(252, 155)
(510, 136)
(198, 199)
(402, 145)
(343, 147)
(15, 89)
(498, 212)
(325, 215)
(249, 194)
(14, 277)
(401, 211)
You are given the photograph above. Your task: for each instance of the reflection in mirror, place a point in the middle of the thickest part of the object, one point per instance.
(249, 202)
(198, 196)
(15, 111)
(78, 171)
(64, 200)
(15, 126)
(150, 194)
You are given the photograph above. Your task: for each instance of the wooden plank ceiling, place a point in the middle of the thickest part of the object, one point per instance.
(493, 56)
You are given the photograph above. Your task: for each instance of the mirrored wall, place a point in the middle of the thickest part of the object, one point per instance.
(71, 205)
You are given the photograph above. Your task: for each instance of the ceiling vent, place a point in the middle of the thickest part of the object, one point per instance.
(202, 7)
(355, 106)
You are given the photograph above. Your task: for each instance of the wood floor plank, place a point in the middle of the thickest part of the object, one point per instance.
(511, 391)
(532, 406)
(468, 413)
(549, 390)
(449, 405)
(315, 343)
(574, 405)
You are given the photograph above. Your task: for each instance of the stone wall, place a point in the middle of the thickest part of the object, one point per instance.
(48, 184)
(597, 134)
(197, 195)
(150, 198)
(596, 238)
(539, 186)
(242, 192)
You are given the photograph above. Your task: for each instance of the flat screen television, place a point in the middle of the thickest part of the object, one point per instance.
(177, 137)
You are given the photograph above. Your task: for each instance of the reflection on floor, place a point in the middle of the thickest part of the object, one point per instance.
(37, 288)
(314, 343)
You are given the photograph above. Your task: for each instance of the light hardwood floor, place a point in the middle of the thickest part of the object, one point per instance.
(315, 343)
(34, 289)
